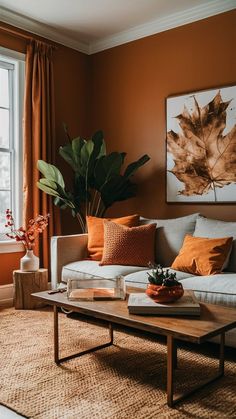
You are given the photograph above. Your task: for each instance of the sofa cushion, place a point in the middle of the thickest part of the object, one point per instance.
(170, 235)
(206, 227)
(217, 289)
(202, 256)
(128, 245)
(96, 232)
(88, 268)
(140, 278)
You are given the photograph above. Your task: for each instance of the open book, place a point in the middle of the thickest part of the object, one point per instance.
(140, 303)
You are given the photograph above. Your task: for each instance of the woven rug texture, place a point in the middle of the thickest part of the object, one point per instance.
(127, 380)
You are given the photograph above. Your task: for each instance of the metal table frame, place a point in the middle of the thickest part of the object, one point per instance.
(171, 360)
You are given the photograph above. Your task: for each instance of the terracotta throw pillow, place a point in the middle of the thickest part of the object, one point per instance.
(96, 233)
(128, 246)
(202, 256)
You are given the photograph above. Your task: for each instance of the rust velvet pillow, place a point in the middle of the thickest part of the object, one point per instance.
(133, 246)
(96, 233)
(202, 256)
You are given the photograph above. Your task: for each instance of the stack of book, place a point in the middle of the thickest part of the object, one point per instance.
(140, 303)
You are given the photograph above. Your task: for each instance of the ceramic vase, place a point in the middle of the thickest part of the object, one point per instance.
(163, 294)
(29, 262)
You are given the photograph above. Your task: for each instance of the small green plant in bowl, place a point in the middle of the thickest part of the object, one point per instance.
(163, 286)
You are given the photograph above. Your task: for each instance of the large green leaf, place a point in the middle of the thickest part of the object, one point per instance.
(71, 153)
(117, 188)
(80, 191)
(99, 150)
(103, 150)
(99, 145)
(60, 203)
(123, 155)
(77, 144)
(67, 153)
(106, 167)
(51, 172)
(44, 186)
(133, 167)
(86, 152)
(49, 183)
(54, 189)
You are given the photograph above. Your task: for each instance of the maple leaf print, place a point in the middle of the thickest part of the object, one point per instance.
(204, 158)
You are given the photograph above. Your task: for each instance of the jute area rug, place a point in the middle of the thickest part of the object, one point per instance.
(127, 380)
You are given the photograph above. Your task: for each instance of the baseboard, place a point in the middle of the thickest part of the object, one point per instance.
(6, 295)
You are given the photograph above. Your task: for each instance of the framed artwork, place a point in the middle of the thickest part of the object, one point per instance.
(201, 146)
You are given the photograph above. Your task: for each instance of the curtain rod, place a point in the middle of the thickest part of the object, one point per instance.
(15, 32)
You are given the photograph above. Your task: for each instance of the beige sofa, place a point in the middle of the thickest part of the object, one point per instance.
(68, 260)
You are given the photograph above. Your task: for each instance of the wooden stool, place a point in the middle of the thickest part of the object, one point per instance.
(25, 283)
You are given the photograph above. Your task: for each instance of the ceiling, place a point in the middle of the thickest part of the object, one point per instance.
(94, 25)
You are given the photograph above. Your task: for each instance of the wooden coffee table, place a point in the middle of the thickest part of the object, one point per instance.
(214, 320)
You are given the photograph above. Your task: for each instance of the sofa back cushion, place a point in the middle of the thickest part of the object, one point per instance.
(170, 235)
(128, 245)
(202, 256)
(206, 227)
(96, 233)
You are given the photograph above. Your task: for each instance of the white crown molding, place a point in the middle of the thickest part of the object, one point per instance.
(150, 28)
(37, 28)
(163, 24)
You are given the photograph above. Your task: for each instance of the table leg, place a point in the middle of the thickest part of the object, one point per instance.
(56, 334)
(111, 333)
(170, 370)
(56, 341)
(171, 354)
(222, 354)
(174, 352)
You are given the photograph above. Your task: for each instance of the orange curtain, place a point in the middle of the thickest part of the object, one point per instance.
(39, 141)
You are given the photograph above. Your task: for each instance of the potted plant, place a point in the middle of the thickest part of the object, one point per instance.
(98, 179)
(163, 286)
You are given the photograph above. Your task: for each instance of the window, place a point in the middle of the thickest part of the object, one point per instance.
(11, 106)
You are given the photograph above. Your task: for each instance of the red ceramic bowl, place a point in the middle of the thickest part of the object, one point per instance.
(162, 294)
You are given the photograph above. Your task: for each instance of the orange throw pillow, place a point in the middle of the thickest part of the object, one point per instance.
(96, 233)
(132, 246)
(202, 256)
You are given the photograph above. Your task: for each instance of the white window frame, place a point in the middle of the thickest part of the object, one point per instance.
(17, 60)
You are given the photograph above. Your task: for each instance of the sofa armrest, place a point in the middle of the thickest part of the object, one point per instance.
(66, 249)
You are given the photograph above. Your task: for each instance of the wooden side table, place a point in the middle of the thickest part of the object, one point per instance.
(26, 283)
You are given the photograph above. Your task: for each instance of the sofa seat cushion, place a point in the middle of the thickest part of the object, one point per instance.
(88, 268)
(140, 279)
(214, 289)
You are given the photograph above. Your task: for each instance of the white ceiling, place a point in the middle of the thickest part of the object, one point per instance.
(94, 24)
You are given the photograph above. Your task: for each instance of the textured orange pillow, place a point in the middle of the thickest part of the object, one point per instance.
(96, 233)
(202, 256)
(128, 245)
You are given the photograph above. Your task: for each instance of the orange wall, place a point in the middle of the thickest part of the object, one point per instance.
(9, 262)
(71, 76)
(123, 90)
(131, 83)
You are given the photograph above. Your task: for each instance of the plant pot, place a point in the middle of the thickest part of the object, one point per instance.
(163, 294)
(29, 262)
